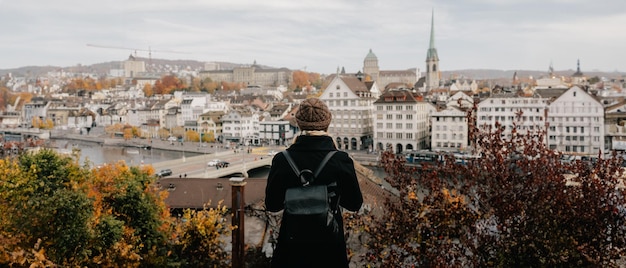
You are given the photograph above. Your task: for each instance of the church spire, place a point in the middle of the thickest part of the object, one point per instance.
(432, 51)
(433, 76)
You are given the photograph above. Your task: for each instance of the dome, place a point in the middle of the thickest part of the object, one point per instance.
(371, 55)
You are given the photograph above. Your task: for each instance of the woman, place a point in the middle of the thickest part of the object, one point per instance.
(307, 151)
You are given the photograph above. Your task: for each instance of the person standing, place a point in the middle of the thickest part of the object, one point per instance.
(307, 151)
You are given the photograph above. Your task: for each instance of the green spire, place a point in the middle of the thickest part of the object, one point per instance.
(432, 51)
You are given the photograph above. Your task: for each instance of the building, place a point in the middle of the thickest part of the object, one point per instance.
(401, 121)
(276, 132)
(576, 123)
(133, 67)
(433, 75)
(250, 75)
(449, 130)
(509, 110)
(350, 101)
(210, 123)
(386, 77)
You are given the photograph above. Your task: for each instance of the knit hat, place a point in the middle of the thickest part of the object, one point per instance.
(313, 114)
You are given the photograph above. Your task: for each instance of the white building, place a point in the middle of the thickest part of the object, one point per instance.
(449, 130)
(528, 113)
(401, 121)
(576, 121)
(350, 100)
(277, 132)
(240, 125)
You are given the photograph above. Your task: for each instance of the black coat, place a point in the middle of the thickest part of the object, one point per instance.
(307, 152)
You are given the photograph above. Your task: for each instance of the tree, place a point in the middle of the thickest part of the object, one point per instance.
(300, 79)
(36, 122)
(147, 90)
(192, 135)
(128, 133)
(163, 133)
(57, 213)
(178, 131)
(515, 206)
(199, 242)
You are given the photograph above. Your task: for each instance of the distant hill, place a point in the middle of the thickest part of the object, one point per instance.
(162, 65)
(485, 74)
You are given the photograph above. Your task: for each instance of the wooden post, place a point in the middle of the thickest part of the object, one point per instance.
(238, 254)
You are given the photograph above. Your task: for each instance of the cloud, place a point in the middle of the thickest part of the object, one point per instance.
(320, 34)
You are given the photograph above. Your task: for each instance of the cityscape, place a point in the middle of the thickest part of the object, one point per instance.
(227, 119)
(373, 109)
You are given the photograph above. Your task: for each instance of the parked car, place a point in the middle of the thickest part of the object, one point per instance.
(164, 172)
(213, 162)
(272, 153)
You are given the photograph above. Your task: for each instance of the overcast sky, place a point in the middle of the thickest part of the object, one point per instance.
(319, 35)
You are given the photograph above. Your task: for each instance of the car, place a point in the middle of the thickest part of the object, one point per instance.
(222, 164)
(164, 172)
(213, 162)
(272, 153)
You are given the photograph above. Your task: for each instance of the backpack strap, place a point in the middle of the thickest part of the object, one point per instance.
(295, 169)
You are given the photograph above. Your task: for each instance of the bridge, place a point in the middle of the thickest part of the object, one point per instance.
(22, 134)
(197, 167)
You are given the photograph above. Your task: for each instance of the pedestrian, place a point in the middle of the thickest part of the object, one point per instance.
(185, 175)
(307, 151)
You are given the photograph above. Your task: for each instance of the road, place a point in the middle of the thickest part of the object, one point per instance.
(196, 166)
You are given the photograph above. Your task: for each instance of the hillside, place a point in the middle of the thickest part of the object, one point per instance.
(162, 65)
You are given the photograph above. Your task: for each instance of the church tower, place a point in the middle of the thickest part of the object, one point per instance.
(370, 66)
(432, 60)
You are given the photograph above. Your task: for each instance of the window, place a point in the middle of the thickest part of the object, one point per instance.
(399, 117)
(379, 125)
(389, 116)
(409, 135)
(409, 126)
(409, 108)
(389, 135)
(398, 135)
(399, 108)
(409, 117)
(389, 125)
(398, 126)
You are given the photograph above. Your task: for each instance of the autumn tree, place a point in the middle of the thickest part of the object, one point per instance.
(199, 243)
(147, 90)
(57, 213)
(168, 84)
(208, 137)
(517, 205)
(192, 135)
(36, 122)
(163, 133)
(302, 80)
(178, 132)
